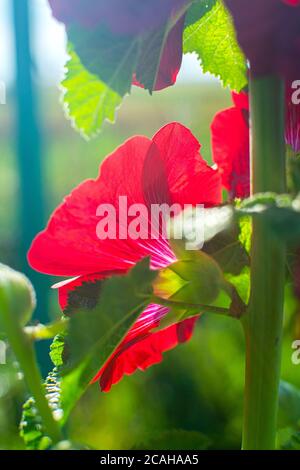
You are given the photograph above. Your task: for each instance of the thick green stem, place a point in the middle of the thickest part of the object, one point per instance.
(263, 324)
(24, 351)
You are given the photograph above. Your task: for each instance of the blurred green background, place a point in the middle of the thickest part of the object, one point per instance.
(199, 386)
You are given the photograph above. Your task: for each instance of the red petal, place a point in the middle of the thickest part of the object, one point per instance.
(190, 179)
(141, 347)
(230, 144)
(142, 351)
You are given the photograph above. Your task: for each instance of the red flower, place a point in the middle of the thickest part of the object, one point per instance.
(130, 18)
(269, 33)
(167, 169)
(231, 144)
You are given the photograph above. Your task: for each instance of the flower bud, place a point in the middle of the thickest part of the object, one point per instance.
(196, 280)
(17, 297)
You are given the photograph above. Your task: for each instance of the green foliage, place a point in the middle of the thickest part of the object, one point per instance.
(197, 10)
(88, 100)
(43, 332)
(213, 39)
(175, 439)
(280, 212)
(289, 405)
(95, 333)
(110, 57)
(293, 442)
(56, 350)
(31, 426)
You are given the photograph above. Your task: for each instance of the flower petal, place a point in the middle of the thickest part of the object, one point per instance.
(190, 179)
(142, 351)
(230, 145)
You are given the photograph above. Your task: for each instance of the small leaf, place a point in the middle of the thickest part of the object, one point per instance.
(214, 41)
(31, 426)
(280, 213)
(56, 350)
(88, 100)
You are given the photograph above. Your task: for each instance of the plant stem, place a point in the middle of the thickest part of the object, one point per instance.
(25, 354)
(263, 323)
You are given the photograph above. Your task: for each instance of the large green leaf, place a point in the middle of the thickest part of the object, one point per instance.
(95, 333)
(88, 100)
(110, 57)
(213, 39)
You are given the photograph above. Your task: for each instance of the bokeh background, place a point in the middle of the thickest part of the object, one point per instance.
(198, 387)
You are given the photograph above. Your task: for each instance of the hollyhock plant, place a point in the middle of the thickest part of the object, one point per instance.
(133, 18)
(269, 33)
(166, 169)
(231, 144)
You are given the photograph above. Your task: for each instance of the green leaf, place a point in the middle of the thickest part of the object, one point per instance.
(31, 426)
(213, 39)
(293, 442)
(176, 439)
(220, 235)
(197, 10)
(56, 350)
(95, 333)
(88, 100)
(242, 283)
(280, 212)
(110, 57)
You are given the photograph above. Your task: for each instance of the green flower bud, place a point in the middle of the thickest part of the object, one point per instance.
(17, 297)
(196, 280)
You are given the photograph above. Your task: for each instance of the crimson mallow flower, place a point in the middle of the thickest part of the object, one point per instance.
(165, 169)
(231, 141)
(133, 18)
(269, 34)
